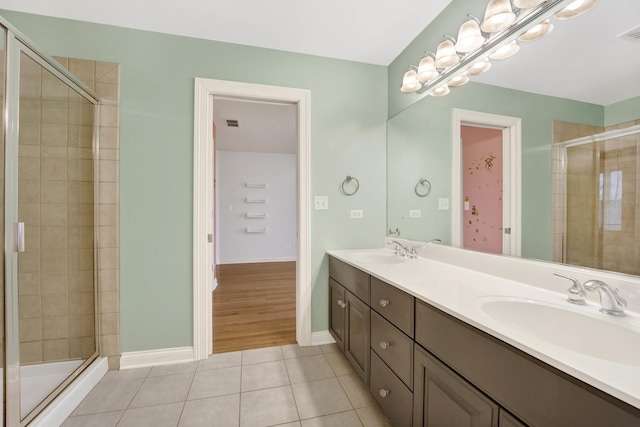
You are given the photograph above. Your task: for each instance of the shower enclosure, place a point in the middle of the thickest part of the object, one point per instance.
(49, 194)
(601, 183)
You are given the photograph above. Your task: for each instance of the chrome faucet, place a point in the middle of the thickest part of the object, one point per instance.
(402, 250)
(611, 302)
(576, 294)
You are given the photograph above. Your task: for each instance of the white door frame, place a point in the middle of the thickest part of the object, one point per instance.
(512, 135)
(205, 89)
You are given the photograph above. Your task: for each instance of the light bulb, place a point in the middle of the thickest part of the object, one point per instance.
(440, 91)
(574, 9)
(469, 37)
(410, 82)
(537, 32)
(479, 67)
(498, 16)
(427, 68)
(446, 55)
(506, 51)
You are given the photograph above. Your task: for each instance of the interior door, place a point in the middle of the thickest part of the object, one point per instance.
(485, 189)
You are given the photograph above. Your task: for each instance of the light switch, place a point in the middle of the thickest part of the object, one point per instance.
(443, 204)
(322, 203)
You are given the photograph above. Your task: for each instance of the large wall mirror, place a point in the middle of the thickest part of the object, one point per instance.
(581, 80)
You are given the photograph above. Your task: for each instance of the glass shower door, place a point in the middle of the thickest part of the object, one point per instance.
(2, 277)
(51, 256)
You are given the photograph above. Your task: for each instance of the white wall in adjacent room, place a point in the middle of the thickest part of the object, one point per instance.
(278, 171)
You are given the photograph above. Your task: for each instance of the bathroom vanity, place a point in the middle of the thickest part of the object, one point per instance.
(417, 333)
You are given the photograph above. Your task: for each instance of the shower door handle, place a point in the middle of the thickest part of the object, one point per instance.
(20, 237)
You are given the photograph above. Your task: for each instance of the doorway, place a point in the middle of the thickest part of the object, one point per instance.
(205, 92)
(255, 145)
(486, 190)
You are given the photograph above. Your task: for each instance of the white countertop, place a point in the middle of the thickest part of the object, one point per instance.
(459, 292)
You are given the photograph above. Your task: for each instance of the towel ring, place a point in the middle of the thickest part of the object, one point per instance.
(347, 180)
(424, 183)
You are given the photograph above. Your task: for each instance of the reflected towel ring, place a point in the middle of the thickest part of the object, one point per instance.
(347, 180)
(425, 183)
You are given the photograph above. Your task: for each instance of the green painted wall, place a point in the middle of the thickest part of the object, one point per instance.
(419, 144)
(622, 111)
(348, 137)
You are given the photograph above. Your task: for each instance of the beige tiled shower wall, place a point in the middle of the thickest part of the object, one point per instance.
(566, 131)
(56, 201)
(587, 243)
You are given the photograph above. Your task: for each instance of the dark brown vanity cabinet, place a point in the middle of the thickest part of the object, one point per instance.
(443, 398)
(350, 314)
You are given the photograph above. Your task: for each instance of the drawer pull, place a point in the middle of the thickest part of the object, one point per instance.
(384, 302)
(384, 393)
(384, 345)
(341, 304)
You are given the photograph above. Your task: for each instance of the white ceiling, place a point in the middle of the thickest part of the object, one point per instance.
(582, 59)
(370, 31)
(264, 127)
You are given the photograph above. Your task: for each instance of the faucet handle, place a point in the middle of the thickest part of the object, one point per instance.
(576, 294)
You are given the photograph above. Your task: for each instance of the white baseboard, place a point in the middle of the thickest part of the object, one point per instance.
(321, 337)
(165, 356)
(255, 261)
(70, 398)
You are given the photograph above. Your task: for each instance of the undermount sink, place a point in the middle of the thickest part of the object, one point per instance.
(592, 335)
(376, 258)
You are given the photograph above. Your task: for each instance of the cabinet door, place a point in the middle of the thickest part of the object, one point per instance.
(444, 399)
(508, 420)
(356, 340)
(337, 306)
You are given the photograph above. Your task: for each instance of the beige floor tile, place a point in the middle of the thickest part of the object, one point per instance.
(356, 391)
(372, 416)
(152, 416)
(294, 350)
(109, 396)
(215, 382)
(330, 348)
(106, 419)
(261, 355)
(305, 369)
(264, 375)
(163, 390)
(180, 368)
(127, 374)
(342, 419)
(221, 410)
(267, 407)
(339, 364)
(222, 360)
(318, 398)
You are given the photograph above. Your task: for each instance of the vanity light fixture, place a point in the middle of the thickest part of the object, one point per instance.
(506, 51)
(498, 16)
(427, 68)
(503, 24)
(574, 9)
(440, 90)
(446, 55)
(410, 81)
(527, 4)
(537, 32)
(469, 36)
(479, 67)
(459, 80)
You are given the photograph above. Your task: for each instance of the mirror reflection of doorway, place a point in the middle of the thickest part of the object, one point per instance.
(482, 188)
(486, 182)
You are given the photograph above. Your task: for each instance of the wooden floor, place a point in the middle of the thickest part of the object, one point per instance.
(254, 306)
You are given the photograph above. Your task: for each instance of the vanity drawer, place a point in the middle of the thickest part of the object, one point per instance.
(395, 305)
(394, 347)
(351, 278)
(393, 396)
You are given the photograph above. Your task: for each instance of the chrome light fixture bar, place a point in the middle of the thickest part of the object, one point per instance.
(526, 21)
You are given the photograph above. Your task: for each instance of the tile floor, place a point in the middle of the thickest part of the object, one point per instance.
(284, 386)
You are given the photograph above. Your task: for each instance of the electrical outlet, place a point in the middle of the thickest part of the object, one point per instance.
(415, 213)
(322, 203)
(443, 204)
(357, 213)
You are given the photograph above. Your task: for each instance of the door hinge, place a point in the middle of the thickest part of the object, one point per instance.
(209, 238)
(507, 230)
